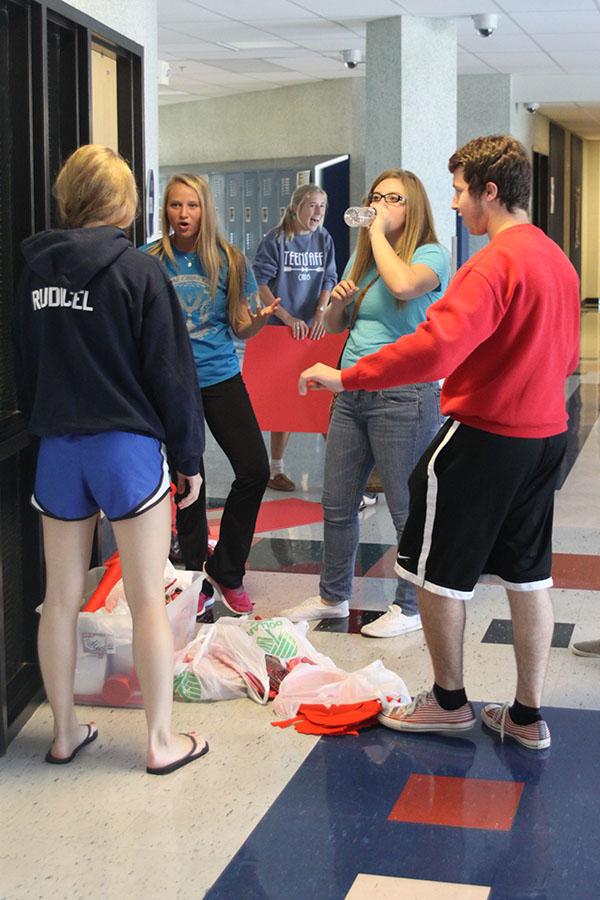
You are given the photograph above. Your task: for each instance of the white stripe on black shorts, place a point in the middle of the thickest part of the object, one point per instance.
(481, 508)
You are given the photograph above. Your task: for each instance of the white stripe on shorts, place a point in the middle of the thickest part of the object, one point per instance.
(516, 586)
(162, 488)
(430, 504)
(430, 586)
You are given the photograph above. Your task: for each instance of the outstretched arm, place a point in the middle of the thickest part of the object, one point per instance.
(249, 323)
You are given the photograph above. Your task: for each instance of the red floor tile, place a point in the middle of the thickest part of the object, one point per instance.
(572, 570)
(276, 514)
(458, 802)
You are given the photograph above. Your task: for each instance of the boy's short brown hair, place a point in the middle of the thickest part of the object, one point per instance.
(498, 158)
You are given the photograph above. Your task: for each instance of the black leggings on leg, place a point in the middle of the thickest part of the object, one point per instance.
(230, 417)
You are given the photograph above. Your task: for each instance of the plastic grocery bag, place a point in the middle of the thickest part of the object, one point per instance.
(284, 639)
(318, 684)
(222, 663)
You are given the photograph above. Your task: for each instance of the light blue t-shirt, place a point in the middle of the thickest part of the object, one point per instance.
(381, 318)
(206, 318)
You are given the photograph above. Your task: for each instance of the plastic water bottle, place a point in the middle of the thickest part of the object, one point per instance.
(359, 216)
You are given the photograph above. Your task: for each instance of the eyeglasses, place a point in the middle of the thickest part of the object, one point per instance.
(390, 199)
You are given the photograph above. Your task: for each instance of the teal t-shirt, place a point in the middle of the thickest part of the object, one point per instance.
(381, 318)
(206, 318)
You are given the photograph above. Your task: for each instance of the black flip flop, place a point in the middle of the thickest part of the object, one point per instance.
(188, 758)
(55, 761)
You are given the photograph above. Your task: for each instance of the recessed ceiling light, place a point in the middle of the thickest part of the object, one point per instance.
(253, 45)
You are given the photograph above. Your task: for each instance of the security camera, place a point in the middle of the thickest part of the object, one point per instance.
(352, 58)
(485, 24)
(532, 108)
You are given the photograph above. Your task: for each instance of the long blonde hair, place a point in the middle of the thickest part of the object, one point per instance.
(418, 227)
(288, 219)
(95, 185)
(210, 247)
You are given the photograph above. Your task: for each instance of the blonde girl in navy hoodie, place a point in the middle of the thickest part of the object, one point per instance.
(106, 379)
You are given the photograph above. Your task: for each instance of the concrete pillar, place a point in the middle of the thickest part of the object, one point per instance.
(484, 106)
(411, 105)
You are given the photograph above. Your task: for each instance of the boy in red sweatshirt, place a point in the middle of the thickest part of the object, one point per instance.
(505, 336)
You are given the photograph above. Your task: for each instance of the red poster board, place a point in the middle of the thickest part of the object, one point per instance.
(273, 361)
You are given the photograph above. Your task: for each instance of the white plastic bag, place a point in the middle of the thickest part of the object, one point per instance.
(317, 684)
(284, 639)
(222, 663)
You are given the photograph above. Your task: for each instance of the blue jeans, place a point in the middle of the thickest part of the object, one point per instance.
(389, 429)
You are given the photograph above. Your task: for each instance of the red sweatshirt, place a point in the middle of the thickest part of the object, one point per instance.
(505, 335)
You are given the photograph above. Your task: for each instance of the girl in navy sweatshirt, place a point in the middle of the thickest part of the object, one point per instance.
(295, 262)
(106, 379)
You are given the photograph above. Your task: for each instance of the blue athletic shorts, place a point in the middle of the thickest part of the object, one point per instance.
(121, 473)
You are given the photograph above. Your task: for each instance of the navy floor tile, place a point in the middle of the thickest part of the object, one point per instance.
(500, 632)
(331, 821)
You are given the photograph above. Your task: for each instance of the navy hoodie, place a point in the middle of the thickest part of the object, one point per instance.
(102, 345)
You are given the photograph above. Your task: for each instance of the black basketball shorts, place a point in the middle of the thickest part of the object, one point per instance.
(481, 508)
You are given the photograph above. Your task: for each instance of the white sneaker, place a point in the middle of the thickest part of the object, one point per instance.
(316, 608)
(367, 500)
(392, 623)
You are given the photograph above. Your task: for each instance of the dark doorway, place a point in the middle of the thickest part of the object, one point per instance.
(575, 205)
(556, 205)
(540, 191)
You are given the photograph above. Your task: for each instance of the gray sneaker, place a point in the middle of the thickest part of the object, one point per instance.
(586, 648)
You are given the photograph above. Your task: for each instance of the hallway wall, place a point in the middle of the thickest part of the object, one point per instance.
(326, 118)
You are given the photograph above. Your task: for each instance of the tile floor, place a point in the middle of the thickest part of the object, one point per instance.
(271, 813)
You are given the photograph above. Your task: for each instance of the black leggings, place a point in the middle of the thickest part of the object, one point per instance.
(230, 417)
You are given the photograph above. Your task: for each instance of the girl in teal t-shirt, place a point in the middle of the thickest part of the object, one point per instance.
(217, 293)
(398, 270)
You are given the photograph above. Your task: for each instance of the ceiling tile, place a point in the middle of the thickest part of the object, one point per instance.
(226, 30)
(246, 65)
(546, 5)
(552, 42)
(359, 9)
(244, 11)
(559, 22)
(287, 76)
(305, 31)
(172, 11)
(582, 61)
(497, 42)
(521, 63)
(319, 67)
(446, 9)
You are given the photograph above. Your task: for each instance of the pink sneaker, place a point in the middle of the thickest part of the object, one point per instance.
(204, 602)
(496, 717)
(426, 714)
(236, 599)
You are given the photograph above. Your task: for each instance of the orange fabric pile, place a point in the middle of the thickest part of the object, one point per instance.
(347, 718)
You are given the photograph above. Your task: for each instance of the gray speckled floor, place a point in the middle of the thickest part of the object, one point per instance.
(102, 828)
